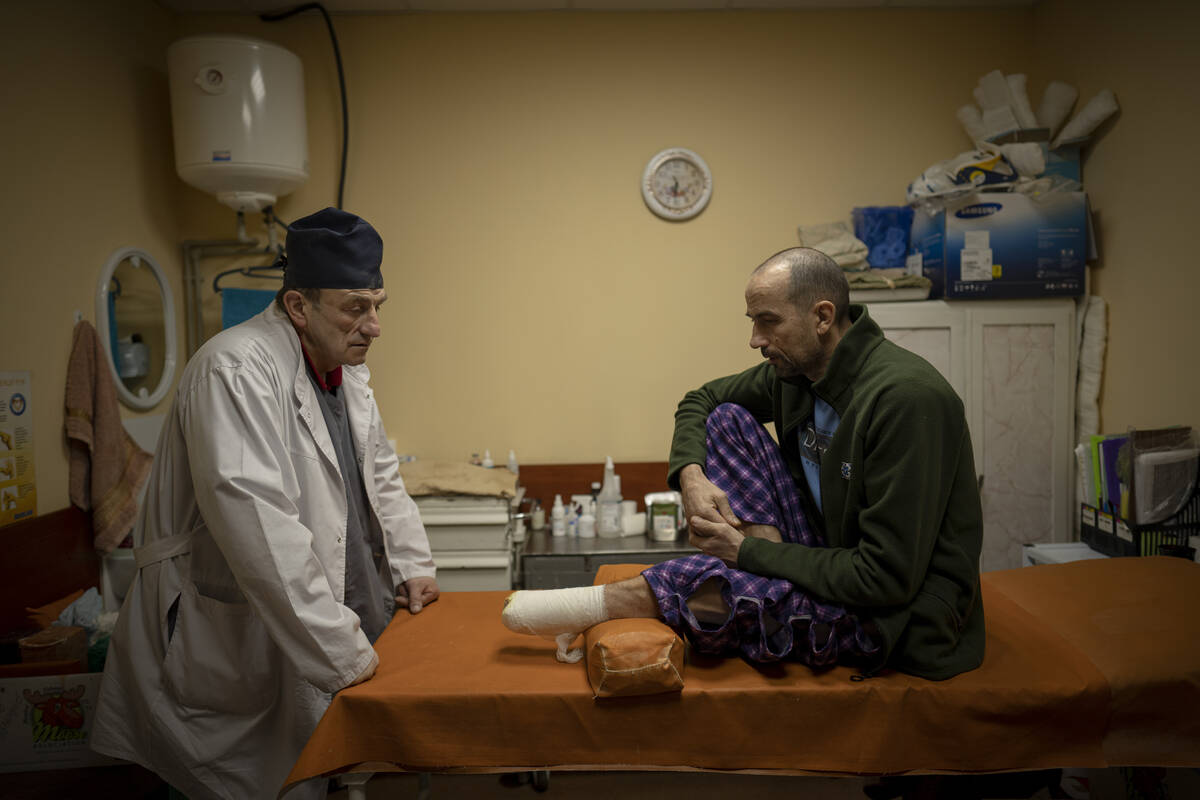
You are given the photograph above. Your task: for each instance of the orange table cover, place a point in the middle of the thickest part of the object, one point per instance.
(1089, 664)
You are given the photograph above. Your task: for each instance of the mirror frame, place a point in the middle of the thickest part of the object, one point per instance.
(141, 401)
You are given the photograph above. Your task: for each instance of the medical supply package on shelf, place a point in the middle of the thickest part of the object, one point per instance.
(1062, 161)
(993, 245)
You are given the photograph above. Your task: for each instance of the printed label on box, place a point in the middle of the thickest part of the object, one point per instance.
(1124, 532)
(45, 723)
(1089, 516)
(977, 240)
(1106, 522)
(976, 265)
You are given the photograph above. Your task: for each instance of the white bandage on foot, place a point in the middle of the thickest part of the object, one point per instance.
(550, 612)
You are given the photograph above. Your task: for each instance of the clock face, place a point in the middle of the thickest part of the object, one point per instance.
(677, 184)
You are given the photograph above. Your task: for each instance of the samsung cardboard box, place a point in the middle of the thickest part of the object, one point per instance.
(46, 722)
(1002, 245)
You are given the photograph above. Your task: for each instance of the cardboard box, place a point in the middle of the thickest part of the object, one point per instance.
(998, 245)
(46, 723)
(56, 643)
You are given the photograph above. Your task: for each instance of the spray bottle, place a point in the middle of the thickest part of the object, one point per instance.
(608, 504)
(558, 517)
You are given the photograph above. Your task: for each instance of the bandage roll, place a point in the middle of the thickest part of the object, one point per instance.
(1098, 109)
(994, 89)
(1026, 157)
(1020, 99)
(972, 122)
(1057, 101)
(997, 121)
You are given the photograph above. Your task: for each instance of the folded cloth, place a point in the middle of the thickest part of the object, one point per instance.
(836, 240)
(106, 468)
(423, 478)
(895, 278)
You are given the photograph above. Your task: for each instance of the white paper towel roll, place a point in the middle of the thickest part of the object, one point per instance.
(995, 91)
(1098, 109)
(978, 97)
(1026, 158)
(972, 122)
(1057, 101)
(1020, 98)
(997, 121)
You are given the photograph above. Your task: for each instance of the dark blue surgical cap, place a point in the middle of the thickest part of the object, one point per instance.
(333, 249)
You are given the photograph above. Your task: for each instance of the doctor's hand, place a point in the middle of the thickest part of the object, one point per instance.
(718, 539)
(702, 497)
(416, 593)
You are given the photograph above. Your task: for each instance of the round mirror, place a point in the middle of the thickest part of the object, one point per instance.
(135, 318)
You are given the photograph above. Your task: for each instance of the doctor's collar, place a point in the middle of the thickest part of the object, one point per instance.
(330, 380)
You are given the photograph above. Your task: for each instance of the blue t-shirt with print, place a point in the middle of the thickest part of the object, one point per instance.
(814, 441)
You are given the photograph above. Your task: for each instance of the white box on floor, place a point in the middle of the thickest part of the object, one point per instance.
(46, 722)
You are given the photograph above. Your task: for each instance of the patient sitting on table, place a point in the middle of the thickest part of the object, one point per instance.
(855, 540)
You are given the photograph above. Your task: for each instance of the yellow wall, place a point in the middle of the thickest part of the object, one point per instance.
(1137, 180)
(86, 139)
(536, 303)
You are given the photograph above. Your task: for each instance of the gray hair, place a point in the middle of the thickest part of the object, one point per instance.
(813, 276)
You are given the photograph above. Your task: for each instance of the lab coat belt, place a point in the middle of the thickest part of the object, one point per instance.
(162, 549)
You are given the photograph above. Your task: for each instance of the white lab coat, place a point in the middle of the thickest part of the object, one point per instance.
(244, 527)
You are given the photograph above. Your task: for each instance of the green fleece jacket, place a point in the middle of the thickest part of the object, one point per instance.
(902, 517)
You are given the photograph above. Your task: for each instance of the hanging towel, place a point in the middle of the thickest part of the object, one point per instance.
(107, 468)
(239, 305)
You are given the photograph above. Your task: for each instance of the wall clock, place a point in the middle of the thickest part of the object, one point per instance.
(676, 184)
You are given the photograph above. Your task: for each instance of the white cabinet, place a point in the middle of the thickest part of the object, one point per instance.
(1013, 363)
(471, 541)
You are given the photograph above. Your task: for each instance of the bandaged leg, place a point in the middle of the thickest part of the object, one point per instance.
(549, 612)
(565, 613)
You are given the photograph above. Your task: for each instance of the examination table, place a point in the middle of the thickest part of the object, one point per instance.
(1089, 664)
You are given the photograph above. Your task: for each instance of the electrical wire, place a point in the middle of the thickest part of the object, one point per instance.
(337, 54)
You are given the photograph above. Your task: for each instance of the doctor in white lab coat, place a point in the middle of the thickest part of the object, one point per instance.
(275, 539)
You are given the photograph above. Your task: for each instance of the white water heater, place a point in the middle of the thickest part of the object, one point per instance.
(237, 110)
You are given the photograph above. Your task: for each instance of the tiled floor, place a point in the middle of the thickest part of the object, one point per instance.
(1180, 784)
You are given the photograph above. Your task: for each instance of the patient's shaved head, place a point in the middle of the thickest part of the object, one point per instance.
(813, 276)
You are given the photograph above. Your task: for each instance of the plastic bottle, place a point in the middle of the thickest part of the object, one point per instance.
(513, 467)
(487, 460)
(587, 522)
(558, 517)
(539, 516)
(608, 503)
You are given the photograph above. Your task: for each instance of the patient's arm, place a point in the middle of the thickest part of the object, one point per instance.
(768, 532)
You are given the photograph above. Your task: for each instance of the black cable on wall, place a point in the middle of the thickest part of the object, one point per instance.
(337, 54)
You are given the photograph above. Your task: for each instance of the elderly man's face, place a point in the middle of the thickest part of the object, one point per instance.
(786, 335)
(340, 328)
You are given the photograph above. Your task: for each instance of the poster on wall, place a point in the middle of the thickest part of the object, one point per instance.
(18, 489)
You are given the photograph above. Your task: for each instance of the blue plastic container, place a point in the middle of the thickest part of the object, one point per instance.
(884, 230)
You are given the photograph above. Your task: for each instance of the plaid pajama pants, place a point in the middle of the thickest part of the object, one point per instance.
(770, 618)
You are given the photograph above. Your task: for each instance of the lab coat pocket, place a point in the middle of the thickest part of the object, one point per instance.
(220, 657)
